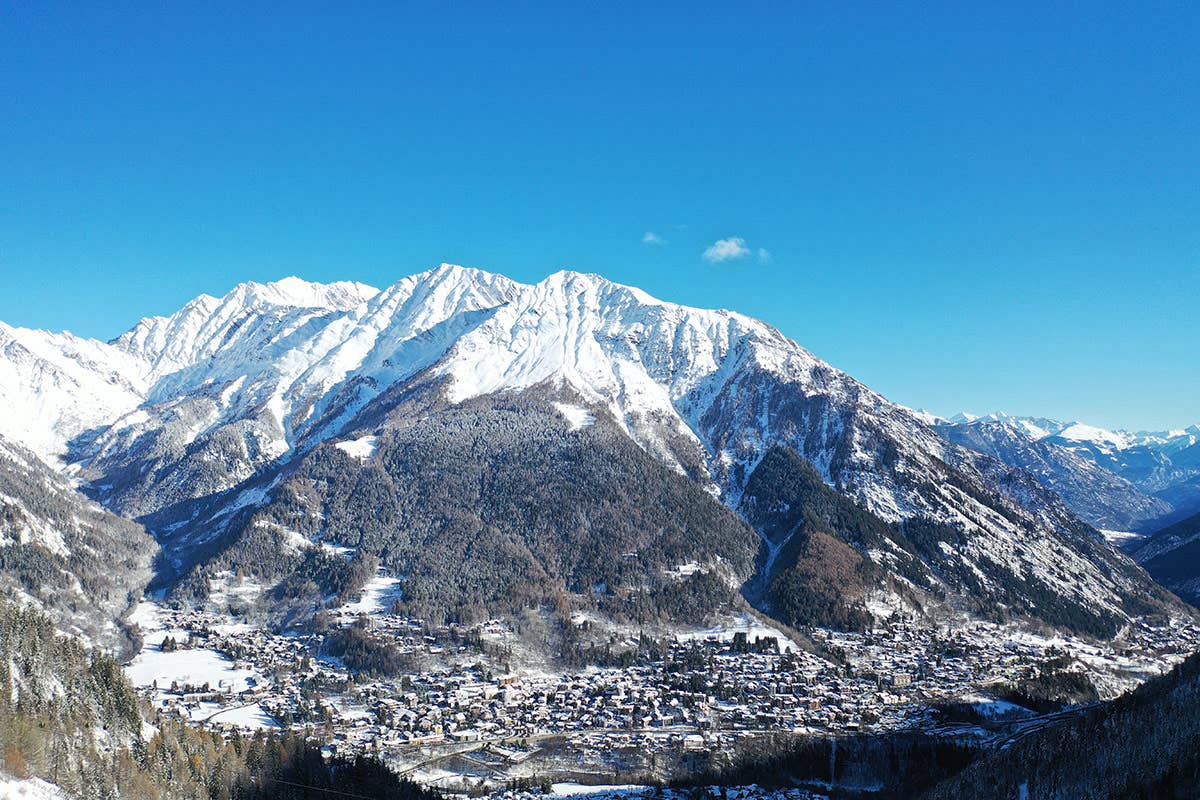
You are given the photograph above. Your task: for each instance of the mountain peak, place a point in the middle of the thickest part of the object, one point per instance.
(926, 416)
(591, 283)
(204, 324)
(1082, 432)
(447, 270)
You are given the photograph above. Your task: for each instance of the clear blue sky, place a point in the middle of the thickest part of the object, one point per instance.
(978, 207)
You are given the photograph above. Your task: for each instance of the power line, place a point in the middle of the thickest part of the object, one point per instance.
(320, 789)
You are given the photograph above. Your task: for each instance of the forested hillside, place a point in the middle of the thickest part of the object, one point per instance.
(1172, 557)
(69, 716)
(817, 573)
(1143, 745)
(82, 565)
(828, 554)
(496, 505)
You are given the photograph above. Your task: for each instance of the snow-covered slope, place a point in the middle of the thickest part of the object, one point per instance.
(229, 390)
(29, 789)
(55, 387)
(208, 325)
(64, 554)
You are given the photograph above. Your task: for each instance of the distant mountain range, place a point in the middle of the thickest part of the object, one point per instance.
(1115, 480)
(497, 444)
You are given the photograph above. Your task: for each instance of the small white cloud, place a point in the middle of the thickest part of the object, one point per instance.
(650, 237)
(726, 250)
(764, 255)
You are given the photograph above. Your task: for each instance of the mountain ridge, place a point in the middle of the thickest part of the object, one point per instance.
(229, 391)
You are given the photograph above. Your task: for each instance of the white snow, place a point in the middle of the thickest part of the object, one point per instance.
(148, 617)
(338, 550)
(361, 448)
(1122, 538)
(225, 585)
(376, 597)
(29, 789)
(567, 789)
(247, 716)
(577, 416)
(1034, 431)
(1102, 438)
(995, 708)
(928, 417)
(31, 528)
(54, 386)
(744, 623)
(188, 666)
(1079, 432)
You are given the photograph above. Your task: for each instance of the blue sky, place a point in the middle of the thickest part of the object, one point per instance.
(965, 207)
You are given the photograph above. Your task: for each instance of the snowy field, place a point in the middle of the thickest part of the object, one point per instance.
(191, 667)
(148, 616)
(993, 708)
(745, 623)
(251, 716)
(577, 416)
(361, 449)
(377, 596)
(28, 789)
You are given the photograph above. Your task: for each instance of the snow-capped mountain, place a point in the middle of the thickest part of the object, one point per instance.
(1164, 466)
(209, 325)
(247, 378)
(189, 421)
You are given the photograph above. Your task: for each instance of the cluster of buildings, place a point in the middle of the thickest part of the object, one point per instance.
(704, 694)
(749, 792)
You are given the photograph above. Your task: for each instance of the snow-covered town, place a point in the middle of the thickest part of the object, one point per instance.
(463, 720)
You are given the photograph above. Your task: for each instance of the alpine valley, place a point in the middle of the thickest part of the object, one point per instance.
(495, 534)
